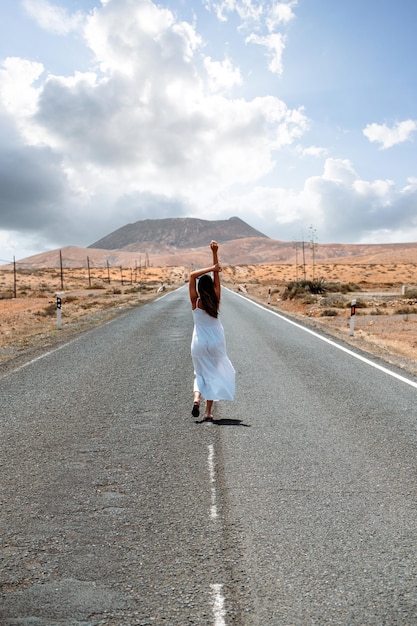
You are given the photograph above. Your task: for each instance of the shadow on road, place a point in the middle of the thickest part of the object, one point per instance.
(224, 422)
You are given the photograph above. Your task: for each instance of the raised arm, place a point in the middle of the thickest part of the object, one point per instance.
(215, 268)
(217, 288)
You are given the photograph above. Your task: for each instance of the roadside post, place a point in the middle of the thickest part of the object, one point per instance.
(138, 291)
(352, 317)
(58, 311)
(269, 295)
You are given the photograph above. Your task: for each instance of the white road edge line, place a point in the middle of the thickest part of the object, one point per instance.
(212, 476)
(403, 379)
(68, 343)
(218, 605)
(38, 358)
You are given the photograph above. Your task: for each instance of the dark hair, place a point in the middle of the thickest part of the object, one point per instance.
(208, 296)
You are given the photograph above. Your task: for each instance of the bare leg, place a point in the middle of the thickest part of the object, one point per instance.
(196, 404)
(209, 405)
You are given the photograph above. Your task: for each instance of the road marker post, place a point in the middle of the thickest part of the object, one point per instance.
(269, 295)
(138, 291)
(352, 317)
(58, 311)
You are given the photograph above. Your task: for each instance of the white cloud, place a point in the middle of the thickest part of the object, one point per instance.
(311, 151)
(17, 93)
(156, 121)
(389, 137)
(353, 209)
(53, 18)
(222, 74)
(246, 9)
(339, 171)
(275, 45)
(249, 11)
(280, 13)
(221, 8)
(252, 12)
(342, 207)
(126, 34)
(155, 128)
(17, 245)
(376, 189)
(263, 19)
(8, 245)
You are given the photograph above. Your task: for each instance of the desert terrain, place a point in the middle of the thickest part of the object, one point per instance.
(385, 320)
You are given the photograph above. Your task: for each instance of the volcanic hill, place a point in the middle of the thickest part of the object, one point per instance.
(184, 241)
(175, 232)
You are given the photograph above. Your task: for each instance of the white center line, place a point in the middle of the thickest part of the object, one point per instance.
(219, 611)
(218, 605)
(212, 475)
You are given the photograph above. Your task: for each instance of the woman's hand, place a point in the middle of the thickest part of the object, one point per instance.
(217, 267)
(214, 246)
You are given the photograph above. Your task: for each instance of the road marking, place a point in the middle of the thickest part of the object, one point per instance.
(212, 476)
(218, 605)
(403, 379)
(68, 343)
(38, 358)
(219, 611)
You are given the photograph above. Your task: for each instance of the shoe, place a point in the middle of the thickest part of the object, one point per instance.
(208, 418)
(195, 412)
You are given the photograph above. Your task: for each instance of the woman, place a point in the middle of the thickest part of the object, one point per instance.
(214, 374)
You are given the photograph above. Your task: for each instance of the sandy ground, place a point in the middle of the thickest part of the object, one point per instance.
(30, 320)
(385, 320)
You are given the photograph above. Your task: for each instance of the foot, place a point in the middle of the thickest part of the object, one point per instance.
(195, 412)
(208, 418)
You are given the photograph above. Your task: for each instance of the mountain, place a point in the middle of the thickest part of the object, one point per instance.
(175, 232)
(185, 242)
(249, 251)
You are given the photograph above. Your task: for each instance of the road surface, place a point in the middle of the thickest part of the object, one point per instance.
(298, 506)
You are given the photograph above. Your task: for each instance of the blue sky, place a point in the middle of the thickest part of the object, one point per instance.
(288, 114)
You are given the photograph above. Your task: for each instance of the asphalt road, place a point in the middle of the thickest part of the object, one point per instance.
(298, 506)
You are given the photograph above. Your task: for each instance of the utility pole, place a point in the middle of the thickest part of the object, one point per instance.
(14, 278)
(304, 261)
(296, 260)
(313, 247)
(62, 271)
(89, 273)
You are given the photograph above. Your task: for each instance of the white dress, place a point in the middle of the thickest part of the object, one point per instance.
(213, 371)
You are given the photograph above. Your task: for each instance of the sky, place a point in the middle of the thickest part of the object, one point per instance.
(299, 117)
